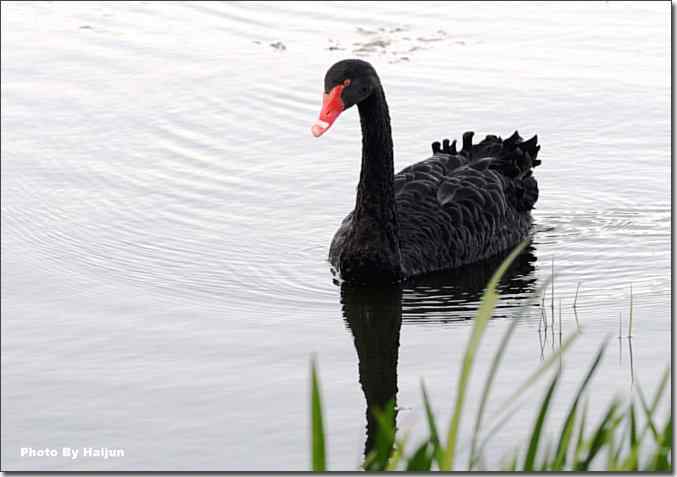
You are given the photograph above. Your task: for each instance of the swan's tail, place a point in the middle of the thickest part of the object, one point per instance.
(513, 156)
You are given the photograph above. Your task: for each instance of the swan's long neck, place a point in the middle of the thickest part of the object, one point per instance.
(373, 249)
(375, 196)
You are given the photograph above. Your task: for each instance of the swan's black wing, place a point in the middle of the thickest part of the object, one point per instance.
(459, 207)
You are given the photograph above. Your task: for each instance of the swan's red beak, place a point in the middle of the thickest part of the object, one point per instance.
(332, 106)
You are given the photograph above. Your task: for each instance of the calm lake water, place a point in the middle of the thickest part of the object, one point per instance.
(166, 218)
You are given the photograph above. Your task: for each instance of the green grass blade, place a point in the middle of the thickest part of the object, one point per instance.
(546, 457)
(319, 463)
(434, 436)
(631, 461)
(615, 458)
(421, 460)
(509, 408)
(599, 438)
(508, 404)
(385, 436)
(496, 427)
(612, 459)
(369, 460)
(610, 443)
(567, 428)
(648, 414)
(660, 390)
(512, 467)
(530, 458)
(661, 460)
(649, 411)
(580, 441)
(552, 359)
(398, 453)
(656, 462)
(633, 426)
(494, 368)
(484, 312)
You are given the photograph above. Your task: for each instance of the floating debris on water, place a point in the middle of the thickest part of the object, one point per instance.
(399, 60)
(420, 38)
(398, 41)
(373, 46)
(334, 45)
(364, 31)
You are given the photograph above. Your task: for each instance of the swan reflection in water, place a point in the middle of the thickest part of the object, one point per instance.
(374, 315)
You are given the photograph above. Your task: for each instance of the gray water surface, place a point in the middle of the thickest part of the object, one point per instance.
(166, 217)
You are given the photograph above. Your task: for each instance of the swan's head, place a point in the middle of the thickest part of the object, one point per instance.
(346, 83)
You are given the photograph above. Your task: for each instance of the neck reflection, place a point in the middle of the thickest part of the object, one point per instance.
(375, 315)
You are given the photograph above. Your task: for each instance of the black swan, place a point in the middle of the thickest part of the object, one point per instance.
(454, 208)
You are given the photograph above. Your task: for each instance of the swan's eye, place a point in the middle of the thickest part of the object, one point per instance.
(346, 83)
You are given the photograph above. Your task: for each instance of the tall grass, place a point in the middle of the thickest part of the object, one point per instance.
(579, 446)
(317, 443)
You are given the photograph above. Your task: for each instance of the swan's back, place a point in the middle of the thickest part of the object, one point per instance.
(457, 208)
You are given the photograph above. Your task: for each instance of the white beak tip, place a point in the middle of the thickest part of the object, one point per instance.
(318, 130)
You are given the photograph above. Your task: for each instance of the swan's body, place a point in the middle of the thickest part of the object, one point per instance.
(446, 211)
(452, 210)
